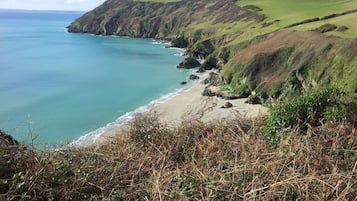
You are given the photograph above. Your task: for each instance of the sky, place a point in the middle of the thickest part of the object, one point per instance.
(80, 5)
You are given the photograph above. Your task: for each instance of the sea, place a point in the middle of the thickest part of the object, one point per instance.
(59, 88)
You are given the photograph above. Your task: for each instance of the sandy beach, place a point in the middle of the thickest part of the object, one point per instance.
(191, 105)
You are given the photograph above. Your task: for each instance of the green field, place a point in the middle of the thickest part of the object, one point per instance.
(291, 11)
(347, 20)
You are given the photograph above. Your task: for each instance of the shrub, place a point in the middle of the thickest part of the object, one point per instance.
(147, 128)
(325, 28)
(311, 109)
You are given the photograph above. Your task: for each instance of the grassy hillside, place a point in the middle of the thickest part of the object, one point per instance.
(348, 21)
(274, 61)
(290, 11)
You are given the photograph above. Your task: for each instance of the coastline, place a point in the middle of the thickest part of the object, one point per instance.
(91, 137)
(188, 105)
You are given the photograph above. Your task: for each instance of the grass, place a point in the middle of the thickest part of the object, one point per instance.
(286, 12)
(228, 160)
(346, 20)
(291, 11)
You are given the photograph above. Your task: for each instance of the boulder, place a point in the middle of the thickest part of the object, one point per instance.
(210, 63)
(208, 92)
(200, 70)
(227, 105)
(194, 77)
(254, 100)
(189, 63)
(205, 81)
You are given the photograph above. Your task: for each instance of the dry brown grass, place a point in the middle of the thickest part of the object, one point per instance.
(228, 160)
(302, 41)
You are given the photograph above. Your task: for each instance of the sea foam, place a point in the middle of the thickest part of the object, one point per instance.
(92, 136)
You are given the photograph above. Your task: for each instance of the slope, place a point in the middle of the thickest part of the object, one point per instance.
(269, 50)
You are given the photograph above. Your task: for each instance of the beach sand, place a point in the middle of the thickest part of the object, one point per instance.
(191, 105)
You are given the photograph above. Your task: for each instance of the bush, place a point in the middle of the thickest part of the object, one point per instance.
(147, 129)
(312, 109)
(325, 28)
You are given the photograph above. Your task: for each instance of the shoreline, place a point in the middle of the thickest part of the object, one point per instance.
(91, 138)
(187, 106)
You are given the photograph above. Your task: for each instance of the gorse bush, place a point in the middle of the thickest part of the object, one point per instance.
(311, 109)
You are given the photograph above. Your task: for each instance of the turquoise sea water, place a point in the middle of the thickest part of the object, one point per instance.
(63, 86)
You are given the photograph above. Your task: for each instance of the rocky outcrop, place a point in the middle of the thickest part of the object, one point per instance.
(210, 63)
(189, 63)
(194, 77)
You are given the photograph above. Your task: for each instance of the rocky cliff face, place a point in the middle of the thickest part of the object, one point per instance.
(156, 20)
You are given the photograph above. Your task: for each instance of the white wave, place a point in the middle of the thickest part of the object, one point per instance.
(160, 42)
(91, 137)
(180, 54)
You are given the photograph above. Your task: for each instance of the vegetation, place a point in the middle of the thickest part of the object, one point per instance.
(310, 110)
(290, 11)
(228, 160)
(249, 42)
(306, 149)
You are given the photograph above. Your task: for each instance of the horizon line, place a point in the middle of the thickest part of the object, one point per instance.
(44, 10)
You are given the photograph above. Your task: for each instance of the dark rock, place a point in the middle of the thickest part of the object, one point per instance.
(227, 105)
(189, 63)
(208, 92)
(180, 42)
(202, 48)
(183, 82)
(219, 94)
(194, 77)
(215, 79)
(254, 100)
(200, 70)
(210, 62)
(205, 81)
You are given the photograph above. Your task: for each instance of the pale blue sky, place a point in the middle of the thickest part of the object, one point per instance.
(84, 5)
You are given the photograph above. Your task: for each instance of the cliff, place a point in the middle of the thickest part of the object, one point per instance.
(263, 54)
(155, 19)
